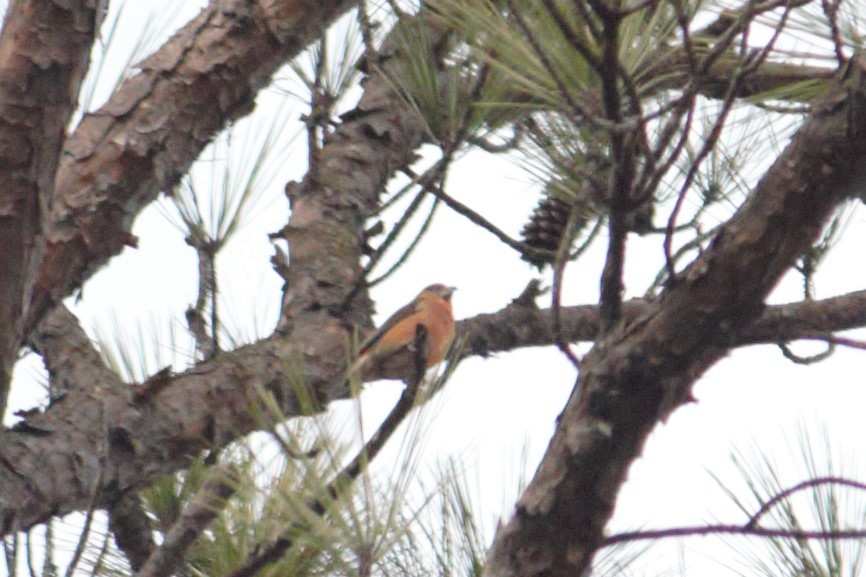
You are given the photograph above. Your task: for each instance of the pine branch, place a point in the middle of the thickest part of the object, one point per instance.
(132, 530)
(639, 373)
(159, 109)
(73, 363)
(197, 514)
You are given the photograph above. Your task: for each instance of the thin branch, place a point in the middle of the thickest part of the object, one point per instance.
(831, 10)
(808, 484)
(206, 342)
(836, 340)
(99, 561)
(425, 181)
(746, 66)
(807, 360)
(742, 530)
(724, 30)
(198, 513)
(85, 530)
(462, 134)
(95, 490)
(651, 173)
(683, 23)
(574, 222)
(397, 9)
(132, 530)
(695, 243)
(49, 566)
(367, 30)
(267, 553)
(511, 143)
(478, 219)
(621, 182)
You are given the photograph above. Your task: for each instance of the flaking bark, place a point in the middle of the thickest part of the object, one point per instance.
(157, 123)
(44, 54)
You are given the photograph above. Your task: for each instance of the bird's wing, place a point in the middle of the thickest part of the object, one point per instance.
(398, 316)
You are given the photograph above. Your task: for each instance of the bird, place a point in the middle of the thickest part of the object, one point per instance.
(392, 352)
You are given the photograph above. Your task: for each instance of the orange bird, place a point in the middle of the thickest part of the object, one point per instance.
(391, 353)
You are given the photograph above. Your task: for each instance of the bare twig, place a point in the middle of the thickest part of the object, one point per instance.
(99, 560)
(747, 65)
(478, 219)
(207, 343)
(831, 10)
(704, 530)
(367, 30)
(85, 529)
(834, 340)
(397, 9)
(810, 359)
(619, 187)
(808, 484)
(424, 181)
(724, 30)
(556, 293)
(49, 565)
(510, 143)
(751, 528)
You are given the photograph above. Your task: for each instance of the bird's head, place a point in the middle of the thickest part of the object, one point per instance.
(440, 290)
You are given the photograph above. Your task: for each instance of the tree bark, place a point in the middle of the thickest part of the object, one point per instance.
(157, 123)
(641, 371)
(44, 54)
(172, 417)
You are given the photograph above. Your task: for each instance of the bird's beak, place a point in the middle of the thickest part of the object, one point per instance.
(449, 291)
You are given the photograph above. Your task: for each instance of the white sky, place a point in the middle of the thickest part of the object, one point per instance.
(493, 408)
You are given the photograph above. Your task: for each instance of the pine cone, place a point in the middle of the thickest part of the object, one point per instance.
(545, 229)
